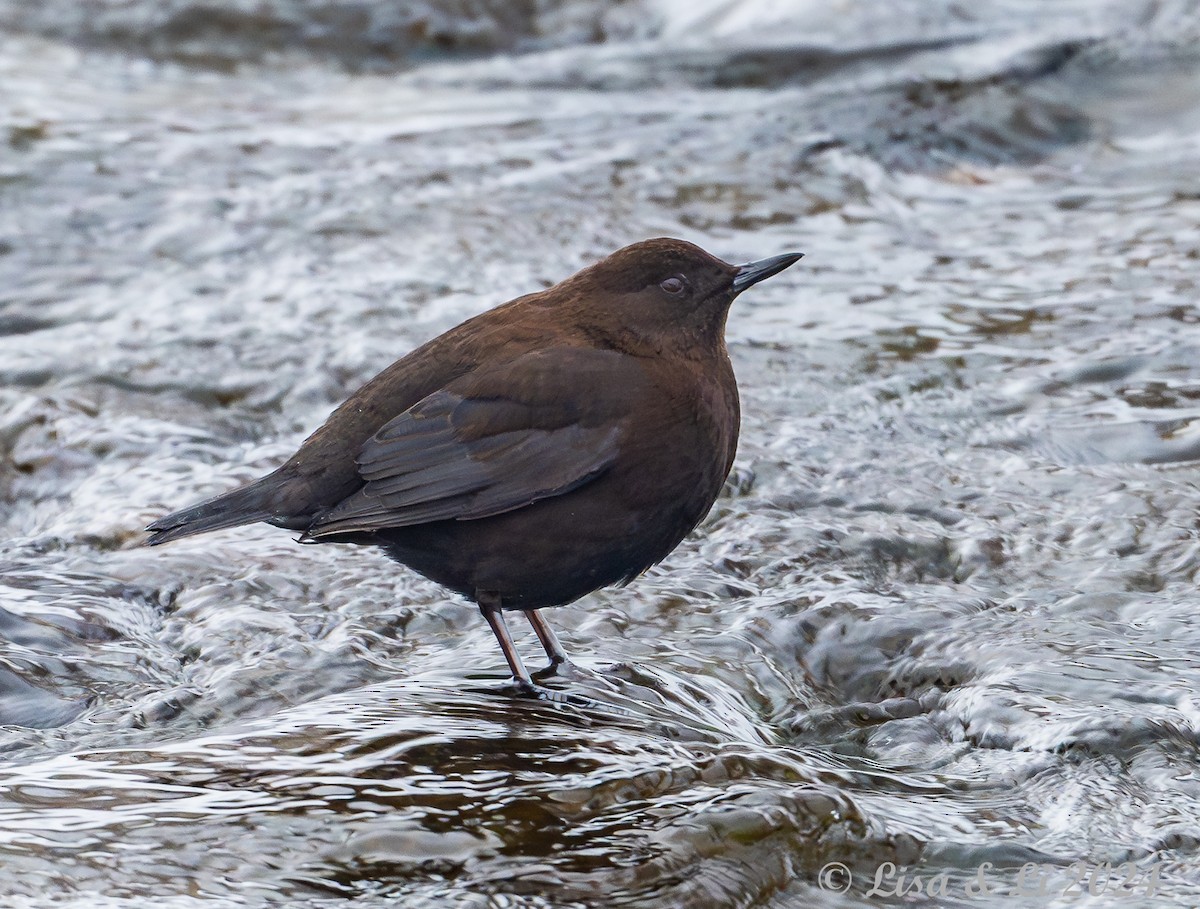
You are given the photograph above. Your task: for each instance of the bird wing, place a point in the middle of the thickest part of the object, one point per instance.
(479, 449)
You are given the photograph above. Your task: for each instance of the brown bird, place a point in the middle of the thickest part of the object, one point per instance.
(564, 441)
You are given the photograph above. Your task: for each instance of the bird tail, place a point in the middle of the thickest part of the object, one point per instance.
(247, 505)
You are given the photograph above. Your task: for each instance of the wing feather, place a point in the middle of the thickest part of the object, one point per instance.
(431, 463)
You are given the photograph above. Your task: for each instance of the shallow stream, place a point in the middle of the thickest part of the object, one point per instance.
(943, 617)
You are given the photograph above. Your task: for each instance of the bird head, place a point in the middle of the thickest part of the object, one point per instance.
(663, 294)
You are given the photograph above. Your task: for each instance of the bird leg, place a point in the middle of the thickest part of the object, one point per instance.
(550, 644)
(489, 606)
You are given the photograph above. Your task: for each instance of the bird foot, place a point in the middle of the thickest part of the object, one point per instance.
(523, 689)
(561, 669)
(534, 692)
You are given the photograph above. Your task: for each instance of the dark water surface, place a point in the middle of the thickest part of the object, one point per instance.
(944, 615)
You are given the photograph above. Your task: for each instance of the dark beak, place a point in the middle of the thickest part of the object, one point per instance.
(753, 272)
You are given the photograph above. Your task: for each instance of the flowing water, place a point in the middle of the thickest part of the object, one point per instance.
(942, 622)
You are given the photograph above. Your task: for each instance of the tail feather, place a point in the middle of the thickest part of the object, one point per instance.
(247, 505)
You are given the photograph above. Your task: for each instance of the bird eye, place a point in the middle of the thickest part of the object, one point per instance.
(672, 285)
